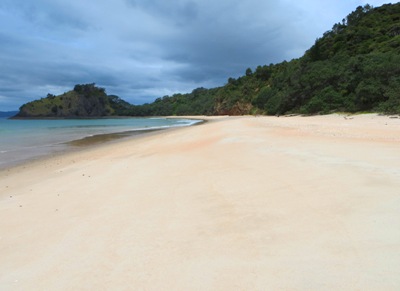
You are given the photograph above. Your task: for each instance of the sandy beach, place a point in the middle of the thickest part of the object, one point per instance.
(237, 203)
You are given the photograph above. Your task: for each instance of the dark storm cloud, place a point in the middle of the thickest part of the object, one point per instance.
(143, 49)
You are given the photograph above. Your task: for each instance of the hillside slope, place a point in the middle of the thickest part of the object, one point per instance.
(353, 67)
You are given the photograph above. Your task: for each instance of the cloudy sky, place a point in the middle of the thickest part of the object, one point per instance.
(144, 49)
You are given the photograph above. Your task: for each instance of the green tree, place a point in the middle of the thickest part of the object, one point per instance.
(249, 72)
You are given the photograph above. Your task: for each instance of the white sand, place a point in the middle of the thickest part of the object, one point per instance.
(239, 203)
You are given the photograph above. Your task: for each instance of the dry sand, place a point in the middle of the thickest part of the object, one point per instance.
(238, 203)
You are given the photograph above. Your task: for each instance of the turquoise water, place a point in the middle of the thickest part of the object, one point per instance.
(26, 139)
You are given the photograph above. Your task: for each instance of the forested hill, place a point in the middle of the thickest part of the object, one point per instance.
(353, 67)
(83, 101)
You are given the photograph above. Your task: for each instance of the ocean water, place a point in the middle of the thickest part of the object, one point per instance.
(22, 140)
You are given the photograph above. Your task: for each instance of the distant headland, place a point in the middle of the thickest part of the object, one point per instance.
(84, 101)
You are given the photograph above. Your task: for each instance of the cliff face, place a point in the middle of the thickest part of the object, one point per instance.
(84, 101)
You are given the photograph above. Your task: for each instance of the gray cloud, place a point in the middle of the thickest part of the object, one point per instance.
(144, 49)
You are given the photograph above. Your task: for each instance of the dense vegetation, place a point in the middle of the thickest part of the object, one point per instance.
(84, 101)
(353, 67)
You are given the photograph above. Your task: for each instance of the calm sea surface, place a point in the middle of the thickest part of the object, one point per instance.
(21, 140)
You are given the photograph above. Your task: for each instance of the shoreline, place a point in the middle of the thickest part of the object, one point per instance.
(79, 145)
(53, 150)
(244, 202)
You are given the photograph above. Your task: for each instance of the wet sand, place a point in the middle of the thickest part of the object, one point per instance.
(238, 203)
(104, 138)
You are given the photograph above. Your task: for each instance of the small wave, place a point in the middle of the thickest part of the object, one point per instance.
(189, 122)
(150, 128)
